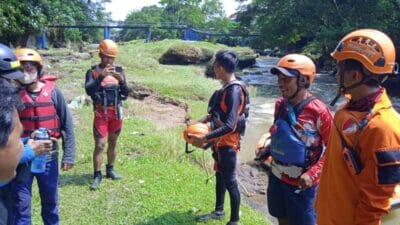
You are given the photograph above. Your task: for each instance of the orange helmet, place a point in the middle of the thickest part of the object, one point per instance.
(197, 128)
(263, 141)
(370, 47)
(294, 65)
(108, 48)
(109, 81)
(27, 54)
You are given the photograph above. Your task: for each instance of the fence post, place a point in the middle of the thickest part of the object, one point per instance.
(41, 42)
(106, 32)
(148, 35)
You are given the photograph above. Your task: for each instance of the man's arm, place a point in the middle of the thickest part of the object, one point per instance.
(66, 127)
(324, 124)
(123, 86)
(378, 178)
(233, 102)
(92, 85)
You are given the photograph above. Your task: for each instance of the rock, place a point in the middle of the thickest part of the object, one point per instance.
(247, 60)
(185, 55)
(254, 172)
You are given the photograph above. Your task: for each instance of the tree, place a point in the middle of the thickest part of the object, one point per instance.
(315, 27)
(19, 19)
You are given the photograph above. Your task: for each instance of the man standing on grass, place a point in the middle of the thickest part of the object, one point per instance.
(106, 85)
(44, 107)
(227, 110)
(298, 137)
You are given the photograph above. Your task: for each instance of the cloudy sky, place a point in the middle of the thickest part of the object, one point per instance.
(121, 8)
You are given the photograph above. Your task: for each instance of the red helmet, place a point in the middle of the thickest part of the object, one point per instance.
(197, 128)
(108, 48)
(370, 47)
(289, 64)
(30, 55)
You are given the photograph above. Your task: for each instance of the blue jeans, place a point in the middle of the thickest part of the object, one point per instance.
(48, 190)
(287, 202)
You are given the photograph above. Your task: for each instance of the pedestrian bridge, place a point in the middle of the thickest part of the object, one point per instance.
(189, 33)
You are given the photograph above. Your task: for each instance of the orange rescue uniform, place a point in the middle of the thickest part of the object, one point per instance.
(347, 199)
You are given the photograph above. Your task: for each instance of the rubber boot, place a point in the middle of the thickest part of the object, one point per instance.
(97, 180)
(110, 173)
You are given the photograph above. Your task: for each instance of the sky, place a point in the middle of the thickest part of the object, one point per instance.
(121, 8)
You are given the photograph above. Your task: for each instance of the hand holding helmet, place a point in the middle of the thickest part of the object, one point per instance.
(110, 71)
(195, 134)
(262, 148)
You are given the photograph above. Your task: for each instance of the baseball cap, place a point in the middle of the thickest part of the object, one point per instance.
(285, 71)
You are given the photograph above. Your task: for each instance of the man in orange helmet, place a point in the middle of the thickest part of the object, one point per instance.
(300, 131)
(44, 107)
(106, 85)
(362, 164)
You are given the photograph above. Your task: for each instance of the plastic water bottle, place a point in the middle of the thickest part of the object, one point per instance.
(39, 162)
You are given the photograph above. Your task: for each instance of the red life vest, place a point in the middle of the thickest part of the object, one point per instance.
(40, 112)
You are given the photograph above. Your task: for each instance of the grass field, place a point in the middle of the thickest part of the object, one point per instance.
(161, 184)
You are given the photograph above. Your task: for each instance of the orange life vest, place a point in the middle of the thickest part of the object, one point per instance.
(219, 110)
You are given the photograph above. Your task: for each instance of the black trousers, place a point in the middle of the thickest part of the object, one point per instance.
(226, 180)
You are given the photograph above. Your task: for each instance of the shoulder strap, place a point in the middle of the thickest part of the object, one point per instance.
(294, 110)
(246, 101)
(299, 108)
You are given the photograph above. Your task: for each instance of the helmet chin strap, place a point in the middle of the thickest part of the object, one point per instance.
(343, 89)
(297, 90)
(295, 94)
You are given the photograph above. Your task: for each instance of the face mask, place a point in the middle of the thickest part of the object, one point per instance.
(29, 77)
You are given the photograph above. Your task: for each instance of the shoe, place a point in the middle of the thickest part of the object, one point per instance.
(213, 215)
(110, 173)
(232, 223)
(113, 175)
(96, 183)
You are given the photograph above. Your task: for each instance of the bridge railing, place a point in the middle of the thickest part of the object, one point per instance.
(189, 33)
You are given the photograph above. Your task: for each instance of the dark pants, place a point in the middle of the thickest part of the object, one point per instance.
(226, 180)
(288, 202)
(47, 183)
(6, 205)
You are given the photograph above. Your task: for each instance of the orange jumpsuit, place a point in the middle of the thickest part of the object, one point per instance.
(347, 199)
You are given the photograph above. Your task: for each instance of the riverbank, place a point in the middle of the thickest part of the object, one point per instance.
(161, 185)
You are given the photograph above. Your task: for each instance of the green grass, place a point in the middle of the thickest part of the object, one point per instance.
(161, 184)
